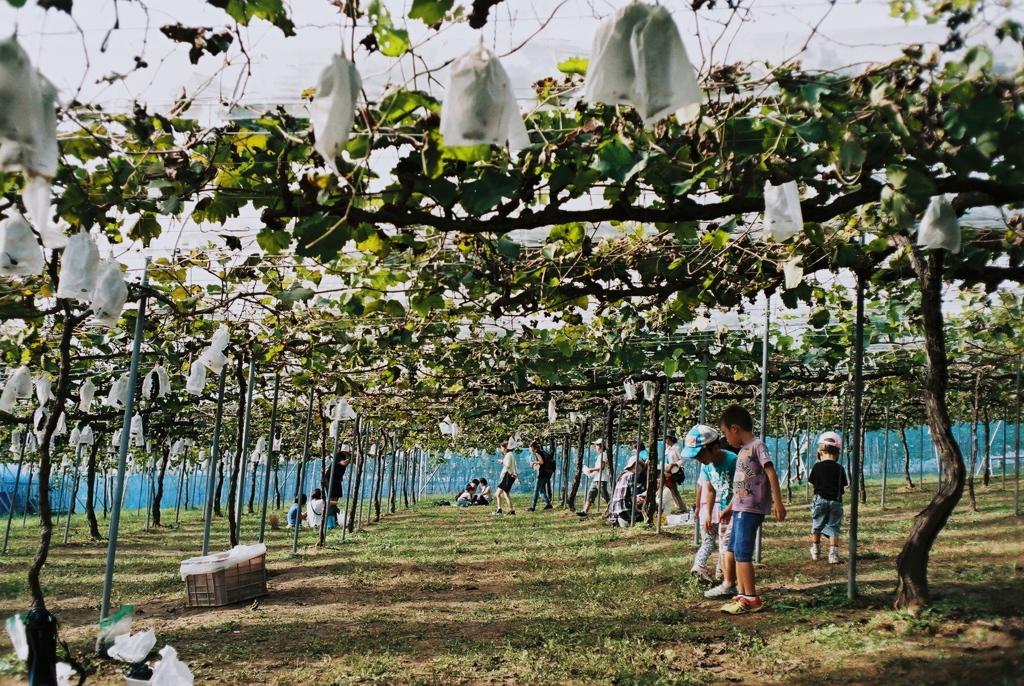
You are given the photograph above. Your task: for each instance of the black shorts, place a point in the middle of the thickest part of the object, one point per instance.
(507, 482)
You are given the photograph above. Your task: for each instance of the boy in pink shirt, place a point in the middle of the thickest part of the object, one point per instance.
(755, 493)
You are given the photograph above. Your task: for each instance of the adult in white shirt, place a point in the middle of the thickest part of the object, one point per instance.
(315, 509)
(601, 476)
(674, 475)
(509, 476)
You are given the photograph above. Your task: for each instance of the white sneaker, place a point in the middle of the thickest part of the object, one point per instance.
(833, 556)
(723, 590)
(815, 551)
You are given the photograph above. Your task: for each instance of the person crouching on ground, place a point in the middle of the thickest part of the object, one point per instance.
(295, 513)
(829, 481)
(755, 493)
(509, 476)
(628, 499)
(718, 469)
(465, 499)
(484, 496)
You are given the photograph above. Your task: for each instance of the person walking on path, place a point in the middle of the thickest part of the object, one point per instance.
(544, 463)
(600, 475)
(829, 481)
(509, 476)
(755, 493)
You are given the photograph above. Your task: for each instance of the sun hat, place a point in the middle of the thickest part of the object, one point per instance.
(598, 441)
(630, 462)
(698, 437)
(831, 439)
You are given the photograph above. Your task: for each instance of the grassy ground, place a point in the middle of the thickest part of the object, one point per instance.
(441, 595)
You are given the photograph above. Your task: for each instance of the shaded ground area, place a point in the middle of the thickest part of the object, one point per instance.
(441, 595)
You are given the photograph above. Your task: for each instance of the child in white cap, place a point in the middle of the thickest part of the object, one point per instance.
(829, 481)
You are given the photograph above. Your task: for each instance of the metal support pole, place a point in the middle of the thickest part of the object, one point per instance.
(74, 490)
(356, 438)
(300, 475)
(126, 436)
(636, 467)
(14, 494)
(1016, 453)
(858, 439)
(28, 494)
(211, 478)
(701, 417)
(270, 457)
(764, 400)
(661, 467)
(246, 425)
(885, 457)
(182, 465)
(920, 458)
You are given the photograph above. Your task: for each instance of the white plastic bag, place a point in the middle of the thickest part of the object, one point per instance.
(208, 564)
(783, 218)
(18, 387)
(62, 426)
(39, 418)
(110, 293)
(132, 647)
(156, 384)
(44, 389)
(16, 630)
(16, 441)
(79, 267)
(213, 357)
(334, 108)
(20, 254)
(28, 117)
(793, 270)
(552, 412)
(171, 671)
(638, 58)
(480, 106)
(940, 227)
(86, 436)
(64, 672)
(196, 381)
(85, 395)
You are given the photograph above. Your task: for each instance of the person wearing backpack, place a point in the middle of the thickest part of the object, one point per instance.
(544, 463)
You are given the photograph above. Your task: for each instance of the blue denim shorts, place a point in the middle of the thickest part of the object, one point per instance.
(826, 516)
(744, 535)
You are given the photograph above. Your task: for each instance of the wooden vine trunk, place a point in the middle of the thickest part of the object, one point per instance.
(90, 490)
(653, 473)
(906, 457)
(912, 563)
(158, 495)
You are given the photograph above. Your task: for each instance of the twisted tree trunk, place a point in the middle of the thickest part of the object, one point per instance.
(912, 564)
(159, 494)
(236, 461)
(581, 444)
(906, 456)
(90, 490)
(653, 473)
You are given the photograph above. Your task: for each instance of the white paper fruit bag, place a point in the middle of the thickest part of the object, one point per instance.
(110, 293)
(480, 106)
(20, 254)
(940, 227)
(79, 267)
(783, 218)
(334, 108)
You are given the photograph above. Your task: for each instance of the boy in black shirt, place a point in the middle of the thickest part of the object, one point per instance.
(829, 480)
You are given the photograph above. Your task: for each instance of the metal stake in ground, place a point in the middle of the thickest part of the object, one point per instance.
(885, 457)
(636, 467)
(858, 439)
(181, 480)
(74, 490)
(211, 478)
(270, 457)
(247, 421)
(126, 437)
(17, 478)
(300, 475)
(661, 456)
(764, 400)
(1016, 453)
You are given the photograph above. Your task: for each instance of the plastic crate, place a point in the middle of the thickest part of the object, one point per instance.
(245, 580)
